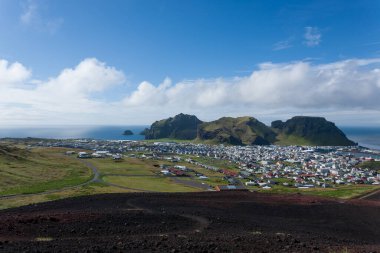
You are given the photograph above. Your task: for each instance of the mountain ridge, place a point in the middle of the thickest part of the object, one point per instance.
(247, 130)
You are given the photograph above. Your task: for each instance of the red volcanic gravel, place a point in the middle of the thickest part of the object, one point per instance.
(193, 222)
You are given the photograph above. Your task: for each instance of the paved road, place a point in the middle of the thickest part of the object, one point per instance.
(192, 183)
(373, 196)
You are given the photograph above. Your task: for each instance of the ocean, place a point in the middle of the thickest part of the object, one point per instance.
(365, 136)
(75, 132)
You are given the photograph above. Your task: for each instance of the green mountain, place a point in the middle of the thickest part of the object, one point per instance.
(182, 126)
(302, 130)
(237, 131)
(249, 131)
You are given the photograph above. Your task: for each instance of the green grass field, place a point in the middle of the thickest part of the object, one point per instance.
(128, 166)
(26, 172)
(157, 184)
(341, 192)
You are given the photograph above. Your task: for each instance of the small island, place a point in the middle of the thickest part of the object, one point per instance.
(128, 132)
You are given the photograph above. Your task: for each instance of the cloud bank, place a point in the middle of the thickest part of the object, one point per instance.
(345, 91)
(345, 84)
(65, 98)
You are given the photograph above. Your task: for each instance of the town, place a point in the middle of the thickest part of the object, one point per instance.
(246, 166)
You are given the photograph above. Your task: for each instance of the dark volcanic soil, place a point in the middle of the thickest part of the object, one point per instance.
(193, 222)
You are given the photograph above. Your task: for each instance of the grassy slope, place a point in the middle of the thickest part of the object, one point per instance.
(292, 140)
(232, 126)
(38, 171)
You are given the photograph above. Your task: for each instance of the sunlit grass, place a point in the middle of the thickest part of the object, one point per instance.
(39, 170)
(157, 184)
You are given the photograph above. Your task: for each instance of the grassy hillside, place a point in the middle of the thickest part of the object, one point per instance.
(283, 139)
(303, 130)
(24, 171)
(238, 131)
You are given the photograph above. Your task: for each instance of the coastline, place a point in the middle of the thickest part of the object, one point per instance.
(364, 136)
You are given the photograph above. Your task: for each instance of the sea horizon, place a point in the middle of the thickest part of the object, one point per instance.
(365, 136)
(74, 132)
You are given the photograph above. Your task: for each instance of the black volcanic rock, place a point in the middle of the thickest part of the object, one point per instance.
(311, 130)
(182, 126)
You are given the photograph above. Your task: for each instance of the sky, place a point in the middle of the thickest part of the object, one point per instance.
(131, 62)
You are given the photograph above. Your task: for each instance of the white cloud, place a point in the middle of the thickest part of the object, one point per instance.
(350, 83)
(65, 98)
(11, 74)
(272, 91)
(312, 36)
(88, 76)
(32, 17)
(148, 94)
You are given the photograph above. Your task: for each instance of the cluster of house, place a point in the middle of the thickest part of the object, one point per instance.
(96, 154)
(299, 166)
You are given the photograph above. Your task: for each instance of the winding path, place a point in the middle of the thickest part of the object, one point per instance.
(97, 179)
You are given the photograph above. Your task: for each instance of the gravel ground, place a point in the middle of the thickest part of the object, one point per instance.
(193, 222)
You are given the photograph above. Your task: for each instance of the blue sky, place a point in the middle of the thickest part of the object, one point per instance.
(153, 59)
